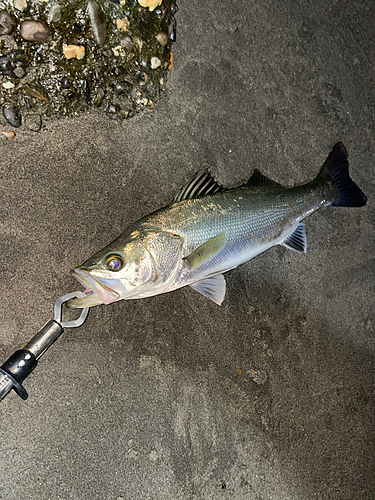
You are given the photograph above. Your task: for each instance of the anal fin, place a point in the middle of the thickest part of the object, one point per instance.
(297, 240)
(213, 288)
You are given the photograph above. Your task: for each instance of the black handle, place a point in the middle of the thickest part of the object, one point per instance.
(17, 368)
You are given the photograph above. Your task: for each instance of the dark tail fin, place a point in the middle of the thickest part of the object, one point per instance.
(336, 171)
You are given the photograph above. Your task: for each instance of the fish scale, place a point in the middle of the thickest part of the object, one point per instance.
(252, 221)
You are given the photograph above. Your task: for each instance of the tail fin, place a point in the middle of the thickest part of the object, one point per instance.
(336, 171)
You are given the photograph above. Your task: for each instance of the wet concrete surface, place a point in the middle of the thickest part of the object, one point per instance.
(271, 395)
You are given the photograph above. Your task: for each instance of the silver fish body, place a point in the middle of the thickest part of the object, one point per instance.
(209, 230)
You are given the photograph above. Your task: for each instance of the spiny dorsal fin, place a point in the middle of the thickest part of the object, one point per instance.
(213, 288)
(258, 179)
(200, 185)
(206, 251)
(297, 240)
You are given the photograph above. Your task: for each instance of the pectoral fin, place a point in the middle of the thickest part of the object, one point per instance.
(297, 240)
(213, 288)
(206, 251)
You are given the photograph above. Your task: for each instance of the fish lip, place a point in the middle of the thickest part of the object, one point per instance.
(94, 287)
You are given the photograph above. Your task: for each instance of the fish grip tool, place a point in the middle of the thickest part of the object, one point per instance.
(23, 361)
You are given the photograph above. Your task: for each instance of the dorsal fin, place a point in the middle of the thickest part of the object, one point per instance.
(200, 185)
(258, 179)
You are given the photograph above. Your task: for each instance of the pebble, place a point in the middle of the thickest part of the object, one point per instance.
(98, 27)
(8, 85)
(111, 65)
(54, 14)
(9, 134)
(12, 115)
(162, 38)
(123, 88)
(155, 63)
(33, 121)
(65, 83)
(122, 24)
(20, 5)
(34, 31)
(127, 44)
(74, 51)
(7, 22)
(151, 4)
(13, 64)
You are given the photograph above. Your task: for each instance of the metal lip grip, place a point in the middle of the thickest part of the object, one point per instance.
(14, 371)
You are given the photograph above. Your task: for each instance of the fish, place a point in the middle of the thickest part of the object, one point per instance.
(207, 230)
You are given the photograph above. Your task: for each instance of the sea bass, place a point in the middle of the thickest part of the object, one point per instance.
(208, 230)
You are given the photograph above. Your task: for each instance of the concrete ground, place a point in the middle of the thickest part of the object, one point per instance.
(271, 395)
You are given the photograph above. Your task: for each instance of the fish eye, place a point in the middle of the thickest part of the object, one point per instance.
(114, 262)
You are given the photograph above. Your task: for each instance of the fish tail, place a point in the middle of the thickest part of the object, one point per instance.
(335, 171)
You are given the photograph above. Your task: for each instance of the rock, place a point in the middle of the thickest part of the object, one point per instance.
(20, 5)
(155, 63)
(162, 38)
(123, 88)
(34, 31)
(65, 83)
(85, 86)
(127, 44)
(13, 64)
(8, 85)
(54, 14)
(33, 121)
(151, 4)
(98, 26)
(7, 22)
(9, 134)
(74, 51)
(12, 115)
(122, 24)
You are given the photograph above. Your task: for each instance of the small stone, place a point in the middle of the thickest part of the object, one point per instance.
(107, 53)
(151, 4)
(123, 88)
(155, 62)
(54, 14)
(85, 86)
(8, 85)
(34, 31)
(65, 83)
(12, 115)
(9, 134)
(98, 26)
(162, 38)
(7, 22)
(77, 28)
(33, 122)
(99, 97)
(122, 24)
(127, 44)
(20, 5)
(74, 51)
(169, 64)
(13, 64)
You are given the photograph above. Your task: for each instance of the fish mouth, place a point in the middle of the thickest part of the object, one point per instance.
(96, 292)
